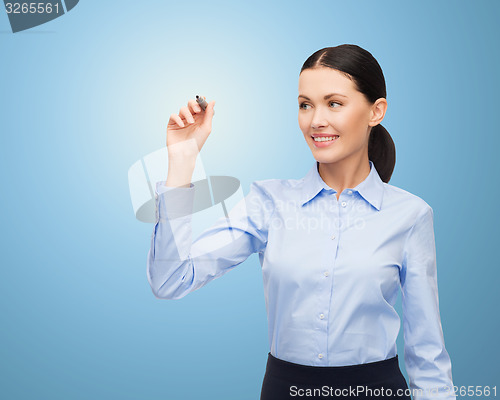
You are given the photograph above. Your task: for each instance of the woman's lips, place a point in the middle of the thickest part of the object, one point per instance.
(325, 143)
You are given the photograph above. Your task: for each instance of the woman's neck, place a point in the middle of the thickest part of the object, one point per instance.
(347, 173)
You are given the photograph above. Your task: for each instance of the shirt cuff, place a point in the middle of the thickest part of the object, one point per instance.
(161, 188)
(174, 202)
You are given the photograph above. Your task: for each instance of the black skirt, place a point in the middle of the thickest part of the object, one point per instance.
(374, 380)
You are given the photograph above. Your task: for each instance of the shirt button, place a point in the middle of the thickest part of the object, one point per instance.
(326, 273)
(320, 355)
(322, 316)
(344, 204)
(333, 237)
(349, 192)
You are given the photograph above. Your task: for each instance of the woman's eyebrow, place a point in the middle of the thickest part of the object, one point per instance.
(325, 97)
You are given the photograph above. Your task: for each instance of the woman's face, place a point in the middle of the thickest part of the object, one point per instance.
(329, 104)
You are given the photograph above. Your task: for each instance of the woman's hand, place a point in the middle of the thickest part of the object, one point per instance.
(191, 123)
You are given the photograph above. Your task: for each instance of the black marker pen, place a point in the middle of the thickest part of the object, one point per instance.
(202, 102)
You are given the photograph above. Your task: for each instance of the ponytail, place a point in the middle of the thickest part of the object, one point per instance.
(382, 152)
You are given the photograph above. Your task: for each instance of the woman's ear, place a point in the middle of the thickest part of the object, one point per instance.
(378, 111)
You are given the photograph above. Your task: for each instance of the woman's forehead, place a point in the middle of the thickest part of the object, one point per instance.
(323, 81)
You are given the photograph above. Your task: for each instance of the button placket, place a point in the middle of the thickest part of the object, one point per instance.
(321, 315)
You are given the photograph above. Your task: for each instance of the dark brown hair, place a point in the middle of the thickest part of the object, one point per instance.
(363, 69)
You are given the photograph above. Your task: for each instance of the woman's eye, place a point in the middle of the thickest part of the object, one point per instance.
(303, 105)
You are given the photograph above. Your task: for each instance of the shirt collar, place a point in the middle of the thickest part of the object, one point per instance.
(371, 189)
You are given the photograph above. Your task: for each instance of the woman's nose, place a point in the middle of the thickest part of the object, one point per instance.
(318, 125)
(318, 121)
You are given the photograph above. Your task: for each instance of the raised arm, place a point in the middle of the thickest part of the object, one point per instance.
(177, 266)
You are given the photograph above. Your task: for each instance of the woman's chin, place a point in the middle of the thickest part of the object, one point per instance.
(324, 157)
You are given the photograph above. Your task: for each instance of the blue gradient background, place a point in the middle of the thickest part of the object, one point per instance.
(86, 95)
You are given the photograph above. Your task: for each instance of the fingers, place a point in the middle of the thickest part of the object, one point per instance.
(194, 107)
(174, 118)
(184, 112)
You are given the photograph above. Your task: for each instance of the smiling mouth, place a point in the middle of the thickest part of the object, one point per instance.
(320, 139)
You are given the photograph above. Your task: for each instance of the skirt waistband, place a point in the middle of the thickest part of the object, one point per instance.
(367, 373)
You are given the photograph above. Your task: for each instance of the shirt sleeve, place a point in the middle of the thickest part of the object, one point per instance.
(427, 362)
(177, 265)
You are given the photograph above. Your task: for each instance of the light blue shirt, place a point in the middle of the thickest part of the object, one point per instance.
(332, 269)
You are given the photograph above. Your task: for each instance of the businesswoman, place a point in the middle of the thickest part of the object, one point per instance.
(335, 246)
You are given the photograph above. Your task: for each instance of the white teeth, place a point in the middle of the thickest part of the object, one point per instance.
(324, 138)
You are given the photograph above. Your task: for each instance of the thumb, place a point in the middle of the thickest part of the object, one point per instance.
(209, 114)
